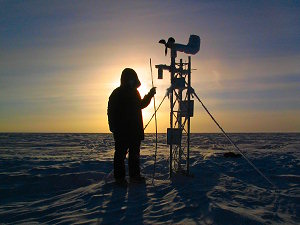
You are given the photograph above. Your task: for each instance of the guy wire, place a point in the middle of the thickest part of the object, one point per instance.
(236, 147)
(155, 112)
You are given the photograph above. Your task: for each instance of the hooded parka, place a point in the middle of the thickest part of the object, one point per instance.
(125, 108)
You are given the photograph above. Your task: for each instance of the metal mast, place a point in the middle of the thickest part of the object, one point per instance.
(181, 106)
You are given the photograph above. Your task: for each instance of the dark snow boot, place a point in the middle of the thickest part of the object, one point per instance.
(137, 179)
(121, 182)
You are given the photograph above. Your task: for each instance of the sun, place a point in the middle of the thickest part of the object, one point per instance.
(144, 89)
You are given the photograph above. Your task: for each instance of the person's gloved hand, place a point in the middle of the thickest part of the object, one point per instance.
(152, 92)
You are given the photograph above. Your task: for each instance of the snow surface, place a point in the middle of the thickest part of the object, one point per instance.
(67, 178)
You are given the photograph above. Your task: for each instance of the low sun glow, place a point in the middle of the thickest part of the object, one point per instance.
(143, 89)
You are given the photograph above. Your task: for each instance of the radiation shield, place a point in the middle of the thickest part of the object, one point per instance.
(161, 68)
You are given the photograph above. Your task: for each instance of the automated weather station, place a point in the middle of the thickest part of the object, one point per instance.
(181, 105)
(182, 108)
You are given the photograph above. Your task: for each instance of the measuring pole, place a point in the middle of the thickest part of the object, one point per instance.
(154, 167)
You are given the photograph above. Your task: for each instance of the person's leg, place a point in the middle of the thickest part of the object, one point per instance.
(119, 157)
(134, 158)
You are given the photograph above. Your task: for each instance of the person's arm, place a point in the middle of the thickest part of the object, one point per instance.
(111, 111)
(147, 98)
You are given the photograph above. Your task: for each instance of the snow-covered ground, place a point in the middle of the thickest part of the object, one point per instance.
(67, 178)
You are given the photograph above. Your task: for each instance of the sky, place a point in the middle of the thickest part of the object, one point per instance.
(60, 61)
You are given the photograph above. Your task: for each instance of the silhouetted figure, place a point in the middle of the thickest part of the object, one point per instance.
(126, 123)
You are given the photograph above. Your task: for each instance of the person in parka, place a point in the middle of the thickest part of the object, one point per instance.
(126, 123)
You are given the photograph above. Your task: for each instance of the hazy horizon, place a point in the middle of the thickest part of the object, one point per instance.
(60, 61)
(153, 133)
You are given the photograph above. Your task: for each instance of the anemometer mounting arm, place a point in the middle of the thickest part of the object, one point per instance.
(161, 68)
(192, 47)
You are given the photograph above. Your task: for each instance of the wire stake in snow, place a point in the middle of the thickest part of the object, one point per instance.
(229, 139)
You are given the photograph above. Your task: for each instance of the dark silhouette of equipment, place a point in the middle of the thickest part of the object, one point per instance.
(182, 107)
